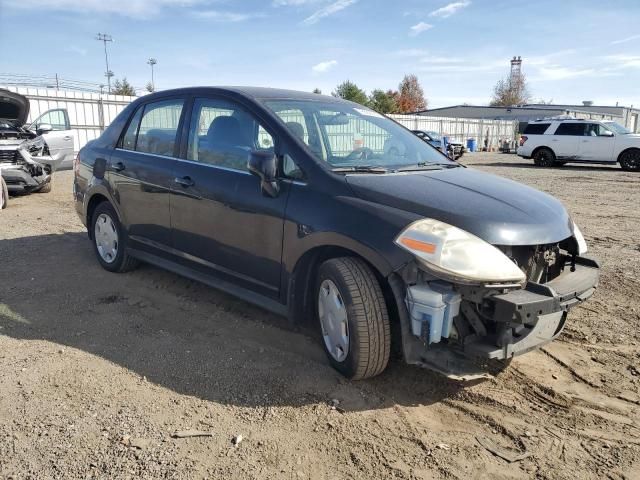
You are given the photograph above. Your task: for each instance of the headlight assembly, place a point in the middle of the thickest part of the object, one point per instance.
(456, 255)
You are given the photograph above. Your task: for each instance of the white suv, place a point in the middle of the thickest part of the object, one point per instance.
(555, 142)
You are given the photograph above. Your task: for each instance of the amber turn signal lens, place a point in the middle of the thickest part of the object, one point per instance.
(418, 245)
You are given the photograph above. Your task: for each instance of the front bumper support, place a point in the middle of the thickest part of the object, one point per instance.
(535, 315)
(525, 319)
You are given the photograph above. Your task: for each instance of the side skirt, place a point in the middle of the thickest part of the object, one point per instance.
(227, 287)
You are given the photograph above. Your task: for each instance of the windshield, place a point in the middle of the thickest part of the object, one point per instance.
(353, 136)
(434, 135)
(617, 128)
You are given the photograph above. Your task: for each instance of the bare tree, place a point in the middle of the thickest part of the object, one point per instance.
(510, 91)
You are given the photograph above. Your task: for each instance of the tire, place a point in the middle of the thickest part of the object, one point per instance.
(118, 261)
(368, 339)
(630, 160)
(544, 158)
(46, 188)
(4, 191)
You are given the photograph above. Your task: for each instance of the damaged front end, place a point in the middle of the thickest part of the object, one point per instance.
(460, 324)
(27, 166)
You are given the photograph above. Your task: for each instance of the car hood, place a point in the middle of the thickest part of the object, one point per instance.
(13, 107)
(499, 211)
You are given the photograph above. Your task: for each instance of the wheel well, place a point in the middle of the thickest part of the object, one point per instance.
(302, 288)
(537, 149)
(94, 201)
(625, 151)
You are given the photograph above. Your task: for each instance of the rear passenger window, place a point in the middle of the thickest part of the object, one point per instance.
(574, 129)
(159, 127)
(536, 128)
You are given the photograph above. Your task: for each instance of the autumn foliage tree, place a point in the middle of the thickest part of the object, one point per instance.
(410, 95)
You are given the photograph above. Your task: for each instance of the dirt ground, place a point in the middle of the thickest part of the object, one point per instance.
(98, 370)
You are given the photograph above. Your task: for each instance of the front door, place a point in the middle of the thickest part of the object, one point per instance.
(221, 221)
(597, 144)
(140, 172)
(60, 140)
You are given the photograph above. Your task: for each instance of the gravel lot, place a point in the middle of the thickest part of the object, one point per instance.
(98, 370)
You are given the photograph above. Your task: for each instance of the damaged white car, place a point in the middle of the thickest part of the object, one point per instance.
(29, 154)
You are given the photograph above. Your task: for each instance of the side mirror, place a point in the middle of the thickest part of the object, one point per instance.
(607, 133)
(264, 165)
(43, 128)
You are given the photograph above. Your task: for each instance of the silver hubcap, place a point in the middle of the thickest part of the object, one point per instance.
(105, 235)
(333, 320)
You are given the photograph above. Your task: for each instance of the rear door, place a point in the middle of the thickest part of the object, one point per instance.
(140, 172)
(565, 140)
(221, 221)
(61, 139)
(597, 143)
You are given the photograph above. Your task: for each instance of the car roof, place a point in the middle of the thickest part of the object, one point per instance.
(254, 93)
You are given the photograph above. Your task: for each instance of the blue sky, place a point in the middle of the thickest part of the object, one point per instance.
(572, 50)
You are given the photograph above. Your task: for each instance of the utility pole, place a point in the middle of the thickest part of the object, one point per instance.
(103, 37)
(152, 62)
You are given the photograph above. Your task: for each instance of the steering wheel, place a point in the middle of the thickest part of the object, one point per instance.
(362, 153)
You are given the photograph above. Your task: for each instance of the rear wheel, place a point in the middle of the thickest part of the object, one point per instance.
(109, 240)
(630, 160)
(353, 318)
(544, 158)
(4, 193)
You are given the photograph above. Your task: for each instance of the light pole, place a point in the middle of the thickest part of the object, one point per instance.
(152, 62)
(103, 37)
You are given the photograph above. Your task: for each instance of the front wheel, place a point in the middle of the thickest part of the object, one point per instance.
(544, 158)
(630, 160)
(109, 240)
(353, 318)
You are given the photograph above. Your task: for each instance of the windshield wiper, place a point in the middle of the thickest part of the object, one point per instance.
(428, 166)
(360, 169)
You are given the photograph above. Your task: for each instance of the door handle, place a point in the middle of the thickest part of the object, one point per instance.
(117, 167)
(554, 139)
(184, 181)
(67, 138)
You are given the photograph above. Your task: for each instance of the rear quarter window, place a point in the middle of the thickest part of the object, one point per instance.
(536, 128)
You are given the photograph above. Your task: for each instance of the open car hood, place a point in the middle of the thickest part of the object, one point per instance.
(14, 107)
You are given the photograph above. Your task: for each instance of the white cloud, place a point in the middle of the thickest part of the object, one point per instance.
(324, 66)
(129, 8)
(418, 28)
(328, 10)
(623, 61)
(556, 72)
(625, 40)
(76, 49)
(450, 9)
(292, 3)
(228, 17)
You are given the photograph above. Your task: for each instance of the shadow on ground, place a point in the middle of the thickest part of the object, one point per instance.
(182, 335)
(569, 168)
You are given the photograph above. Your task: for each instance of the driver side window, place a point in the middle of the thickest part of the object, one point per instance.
(223, 134)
